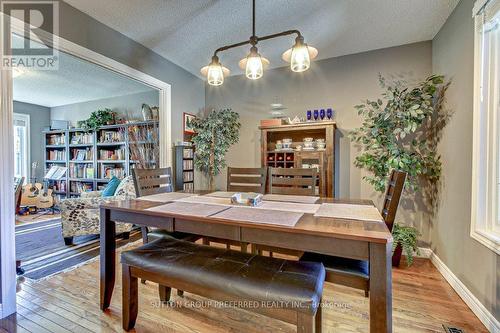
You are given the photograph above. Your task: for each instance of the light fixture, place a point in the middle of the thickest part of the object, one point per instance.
(215, 72)
(299, 56)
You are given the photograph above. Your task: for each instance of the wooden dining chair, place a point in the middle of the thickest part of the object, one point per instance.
(356, 273)
(289, 181)
(155, 181)
(293, 181)
(241, 180)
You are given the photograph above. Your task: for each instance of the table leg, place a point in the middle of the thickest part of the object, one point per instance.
(107, 257)
(380, 287)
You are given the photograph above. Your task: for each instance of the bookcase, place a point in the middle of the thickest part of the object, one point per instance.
(94, 157)
(184, 168)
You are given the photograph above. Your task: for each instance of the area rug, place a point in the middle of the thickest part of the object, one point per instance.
(41, 249)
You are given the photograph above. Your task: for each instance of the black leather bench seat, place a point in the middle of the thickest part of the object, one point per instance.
(346, 266)
(245, 276)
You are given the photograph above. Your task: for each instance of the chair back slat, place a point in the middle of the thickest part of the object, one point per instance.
(291, 181)
(152, 181)
(246, 179)
(393, 193)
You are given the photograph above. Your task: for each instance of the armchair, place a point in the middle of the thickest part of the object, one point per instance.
(80, 216)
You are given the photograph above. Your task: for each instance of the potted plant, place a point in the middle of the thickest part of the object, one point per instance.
(216, 131)
(405, 239)
(401, 130)
(98, 118)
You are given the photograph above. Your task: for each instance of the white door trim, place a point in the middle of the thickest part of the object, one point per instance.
(7, 223)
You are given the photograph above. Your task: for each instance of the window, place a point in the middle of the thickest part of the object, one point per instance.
(485, 224)
(21, 145)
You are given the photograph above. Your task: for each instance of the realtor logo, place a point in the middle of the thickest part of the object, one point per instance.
(28, 29)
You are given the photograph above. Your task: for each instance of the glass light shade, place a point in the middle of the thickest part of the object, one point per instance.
(254, 67)
(215, 76)
(300, 60)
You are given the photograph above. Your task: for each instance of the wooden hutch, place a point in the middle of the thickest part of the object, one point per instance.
(293, 158)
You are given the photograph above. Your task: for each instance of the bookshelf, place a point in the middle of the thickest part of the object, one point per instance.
(184, 168)
(94, 157)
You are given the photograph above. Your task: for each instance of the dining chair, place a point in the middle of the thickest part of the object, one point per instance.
(293, 181)
(356, 273)
(155, 181)
(289, 181)
(241, 180)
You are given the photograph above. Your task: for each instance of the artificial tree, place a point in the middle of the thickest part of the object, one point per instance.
(401, 131)
(216, 131)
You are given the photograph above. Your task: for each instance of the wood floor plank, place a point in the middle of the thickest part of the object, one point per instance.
(422, 302)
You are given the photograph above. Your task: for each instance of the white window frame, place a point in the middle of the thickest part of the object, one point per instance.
(27, 148)
(486, 132)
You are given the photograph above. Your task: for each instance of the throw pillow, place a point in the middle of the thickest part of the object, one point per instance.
(110, 189)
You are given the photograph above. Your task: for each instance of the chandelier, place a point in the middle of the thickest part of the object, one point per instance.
(299, 56)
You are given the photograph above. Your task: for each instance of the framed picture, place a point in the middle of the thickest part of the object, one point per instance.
(188, 129)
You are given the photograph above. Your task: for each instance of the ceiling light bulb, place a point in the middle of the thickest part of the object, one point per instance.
(254, 67)
(215, 72)
(300, 55)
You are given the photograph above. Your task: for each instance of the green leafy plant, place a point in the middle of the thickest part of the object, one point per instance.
(98, 118)
(399, 131)
(406, 237)
(216, 131)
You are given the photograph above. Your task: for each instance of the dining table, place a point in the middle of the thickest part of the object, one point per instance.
(287, 222)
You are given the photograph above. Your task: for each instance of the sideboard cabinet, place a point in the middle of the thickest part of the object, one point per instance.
(295, 157)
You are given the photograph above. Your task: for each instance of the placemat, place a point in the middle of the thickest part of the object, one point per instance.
(349, 211)
(262, 216)
(207, 200)
(166, 197)
(186, 208)
(290, 207)
(290, 198)
(220, 194)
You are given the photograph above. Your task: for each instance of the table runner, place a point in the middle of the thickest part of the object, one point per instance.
(166, 197)
(349, 211)
(186, 208)
(290, 198)
(261, 216)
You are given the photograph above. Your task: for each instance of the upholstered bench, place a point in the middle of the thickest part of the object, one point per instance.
(286, 290)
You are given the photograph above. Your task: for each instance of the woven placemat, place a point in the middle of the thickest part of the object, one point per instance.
(220, 194)
(290, 207)
(290, 198)
(349, 211)
(261, 216)
(166, 197)
(187, 208)
(207, 200)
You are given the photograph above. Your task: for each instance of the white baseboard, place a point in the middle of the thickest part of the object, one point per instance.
(491, 323)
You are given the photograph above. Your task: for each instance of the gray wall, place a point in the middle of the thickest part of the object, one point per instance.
(123, 105)
(340, 83)
(188, 94)
(39, 118)
(474, 264)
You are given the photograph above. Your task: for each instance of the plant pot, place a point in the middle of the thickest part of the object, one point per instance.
(396, 256)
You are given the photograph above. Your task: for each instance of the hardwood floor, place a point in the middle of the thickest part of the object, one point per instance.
(69, 302)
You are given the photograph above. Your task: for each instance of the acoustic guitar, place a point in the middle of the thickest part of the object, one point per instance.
(45, 198)
(32, 189)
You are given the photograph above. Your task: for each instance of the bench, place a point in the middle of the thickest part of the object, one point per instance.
(225, 275)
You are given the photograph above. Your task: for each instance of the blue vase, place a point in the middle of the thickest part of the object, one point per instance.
(309, 115)
(322, 114)
(316, 114)
(329, 113)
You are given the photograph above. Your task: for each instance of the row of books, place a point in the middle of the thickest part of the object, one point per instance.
(82, 154)
(79, 187)
(112, 154)
(112, 136)
(188, 176)
(59, 186)
(56, 155)
(81, 171)
(108, 171)
(56, 139)
(187, 164)
(188, 186)
(82, 138)
(188, 153)
(143, 133)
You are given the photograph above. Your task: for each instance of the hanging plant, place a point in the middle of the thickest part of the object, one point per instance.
(399, 131)
(215, 133)
(97, 119)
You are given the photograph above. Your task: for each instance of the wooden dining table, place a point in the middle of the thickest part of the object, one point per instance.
(349, 238)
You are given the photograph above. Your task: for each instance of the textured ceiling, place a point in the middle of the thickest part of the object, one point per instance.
(75, 81)
(188, 31)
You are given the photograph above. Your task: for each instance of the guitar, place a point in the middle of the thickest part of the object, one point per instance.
(32, 189)
(45, 198)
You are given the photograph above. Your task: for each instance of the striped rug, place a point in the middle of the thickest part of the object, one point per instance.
(41, 249)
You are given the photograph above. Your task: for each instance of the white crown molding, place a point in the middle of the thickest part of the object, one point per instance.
(491, 323)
